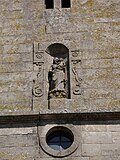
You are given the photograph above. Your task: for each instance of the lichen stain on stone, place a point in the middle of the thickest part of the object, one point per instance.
(82, 8)
(17, 27)
(3, 155)
(104, 12)
(41, 30)
(105, 53)
(87, 3)
(12, 108)
(20, 157)
(98, 34)
(13, 49)
(115, 104)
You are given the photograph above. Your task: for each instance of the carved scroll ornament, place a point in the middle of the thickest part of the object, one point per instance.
(38, 61)
(75, 63)
(77, 89)
(37, 83)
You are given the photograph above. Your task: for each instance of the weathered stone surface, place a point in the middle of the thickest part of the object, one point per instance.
(19, 153)
(90, 30)
(95, 34)
(105, 158)
(110, 149)
(17, 130)
(96, 137)
(113, 128)
(91, 150)
(94, 128)
(18, 141)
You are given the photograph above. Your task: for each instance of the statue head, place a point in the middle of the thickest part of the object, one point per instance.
(56, 60)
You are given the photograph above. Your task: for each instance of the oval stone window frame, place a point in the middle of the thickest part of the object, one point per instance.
(44, 131)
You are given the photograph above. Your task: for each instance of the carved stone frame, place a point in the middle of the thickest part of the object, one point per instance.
(42, 132)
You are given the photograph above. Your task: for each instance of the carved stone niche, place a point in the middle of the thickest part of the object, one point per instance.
(57, 72)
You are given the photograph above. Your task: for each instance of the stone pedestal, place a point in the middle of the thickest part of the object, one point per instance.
(60, 104)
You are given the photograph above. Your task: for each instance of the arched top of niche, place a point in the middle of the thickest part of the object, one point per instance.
(58, 50)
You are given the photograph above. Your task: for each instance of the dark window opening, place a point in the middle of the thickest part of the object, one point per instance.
(49, 4)
(59, 140)
(66, 4)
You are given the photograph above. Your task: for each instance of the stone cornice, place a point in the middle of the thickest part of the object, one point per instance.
(35, 117)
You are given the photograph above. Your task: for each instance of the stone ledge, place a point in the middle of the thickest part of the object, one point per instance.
(19, 117)
(81, 117)
(35, 117)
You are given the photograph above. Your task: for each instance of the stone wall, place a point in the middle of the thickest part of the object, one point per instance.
(98, 140)
(90, 32)
(90, 28)
(18, 141)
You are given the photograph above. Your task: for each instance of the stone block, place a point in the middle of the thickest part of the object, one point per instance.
(118, 93)
(9, 97)
(104, 104)
(59, 104)
(99, 93)
(22, 86)
(110, 149)
(8, 40)
(66, 158)
(91, 150)
(105, 158)
(113, 128)
(12, 58)
(18, 140)
(19, 153)
(15, 67)
(39, 104)
(14, 14)
(97, 63)
(79, 104)
(18, 48)
(17, 130)
(96, 137)
(116, 73)
(16, 106)
(99, 104)
(116, 137)
(114, 104)
(116, 62)
(94, 128)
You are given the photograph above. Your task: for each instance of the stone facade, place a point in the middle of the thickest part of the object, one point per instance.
(60, 61)
(97, 139)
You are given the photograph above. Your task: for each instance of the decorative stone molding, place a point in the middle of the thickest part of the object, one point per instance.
(38, 56)
(75, 61)
(77, 89)
(38, 63)
(75, 53)
(43, 131)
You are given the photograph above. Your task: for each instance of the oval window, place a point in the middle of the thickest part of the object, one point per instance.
(60, 139)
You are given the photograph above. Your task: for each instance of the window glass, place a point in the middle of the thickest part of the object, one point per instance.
(65, 4)
(59, 140)
(49, 4)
